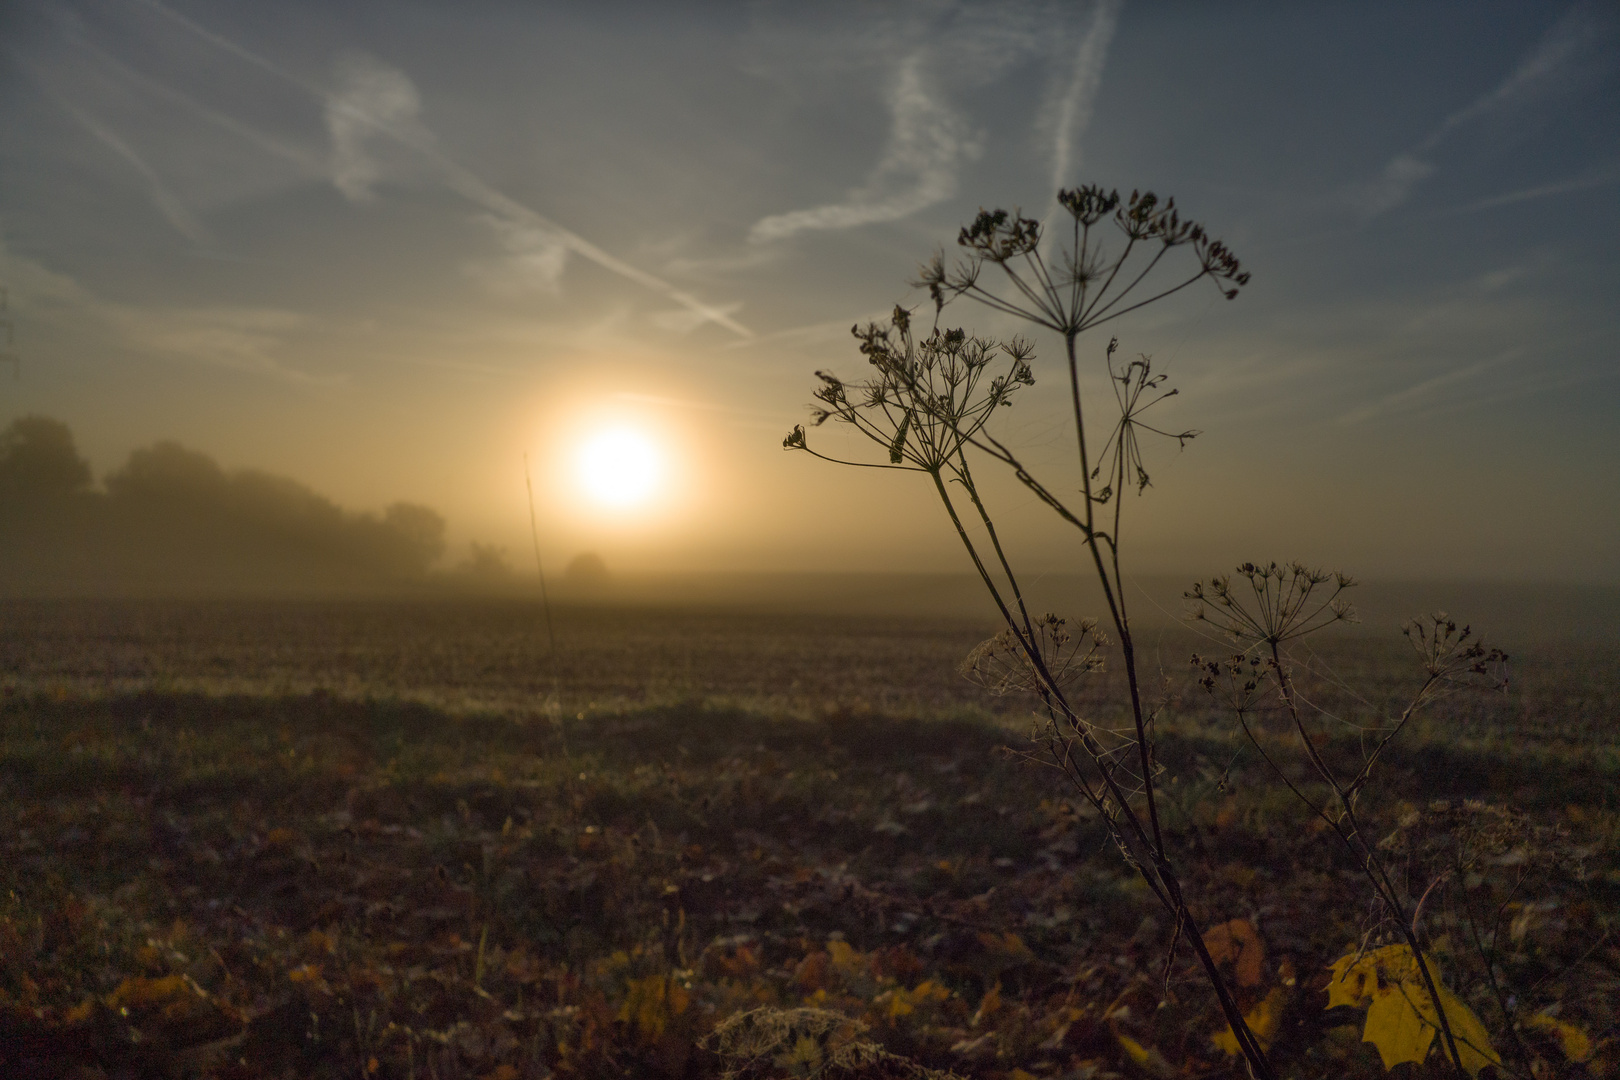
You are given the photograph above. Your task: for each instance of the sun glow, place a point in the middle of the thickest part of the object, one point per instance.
(620, 468)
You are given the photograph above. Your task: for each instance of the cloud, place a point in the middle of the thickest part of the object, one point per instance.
(1544, 71)
(536, 257)
(167, 203)
(308, 161)
(376, 100)
(1070, 112)
(237, 338)
(684, 320)
(1395, 186)
(1419, 395)
(1549, 68)
(1544, 191)
(927, 143)
(245, 339)
(371, 99)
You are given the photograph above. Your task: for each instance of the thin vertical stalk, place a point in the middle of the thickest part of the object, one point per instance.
(545, 603)
(1371, 865)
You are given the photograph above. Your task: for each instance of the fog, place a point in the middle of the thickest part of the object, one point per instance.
(171, 522)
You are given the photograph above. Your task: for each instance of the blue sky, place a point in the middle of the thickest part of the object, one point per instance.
(389, 249)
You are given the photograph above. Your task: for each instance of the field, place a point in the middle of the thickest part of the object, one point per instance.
(402, 840)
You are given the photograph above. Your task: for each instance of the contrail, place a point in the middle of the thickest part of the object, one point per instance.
(229, 123)
(173, 211)
(1074, 111)
(462, 180)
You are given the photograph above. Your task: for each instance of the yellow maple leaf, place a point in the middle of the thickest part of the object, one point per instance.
(1402, 1019)
(1133, 1049)
(653, 1002)
(1575, 1043)
(845, 957)
(1395, 1027)
(1263, 1021)
(1146, 1058)
(902, 1002)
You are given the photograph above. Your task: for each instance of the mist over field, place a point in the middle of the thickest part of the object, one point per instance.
(172, 523)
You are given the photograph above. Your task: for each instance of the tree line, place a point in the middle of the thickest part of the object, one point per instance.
(172, 519)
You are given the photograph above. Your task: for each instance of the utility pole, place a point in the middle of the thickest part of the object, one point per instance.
(8, 337)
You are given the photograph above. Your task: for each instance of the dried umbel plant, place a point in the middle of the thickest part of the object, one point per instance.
(1453, 657)
(1084, 283)
(1001, 665)
(1284, 602)
(1271, 606)
(929, 405)
(927, 399)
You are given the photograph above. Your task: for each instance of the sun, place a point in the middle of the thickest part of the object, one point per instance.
(620, 468)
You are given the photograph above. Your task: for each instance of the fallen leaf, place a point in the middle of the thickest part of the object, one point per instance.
(1575, 1043)
(1236, 942)
(988, 1005)
(1145, 1057)
(652, 1002)
(1401, 1018)
(1263, 1021)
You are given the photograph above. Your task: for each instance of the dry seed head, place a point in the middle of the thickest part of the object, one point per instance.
(1237, 680)
(928, 396)
(1454, 655)
(1281, 603)
(1002, 664)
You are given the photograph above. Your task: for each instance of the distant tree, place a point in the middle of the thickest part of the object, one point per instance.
(38, 460)
(167, 472)
(418, 533)
(486, 563)
(587, 570)
(173, 517)
(251, 516)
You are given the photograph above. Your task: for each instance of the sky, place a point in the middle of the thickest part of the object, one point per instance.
(406, 251)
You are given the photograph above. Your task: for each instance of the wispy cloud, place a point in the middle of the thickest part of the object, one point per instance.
(928, 142)
(146, 84)
(382, 100)
(815, 334)
(1544, 191)
(1422, 394)
(1394, 185)
(245, 339)
(1071, 110)
(166, 201)
(371, 100)
(1539, 73)
(1542, 72)
(534, 261)
(684, 320)
(252, 340)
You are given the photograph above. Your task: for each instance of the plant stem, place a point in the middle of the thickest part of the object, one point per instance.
(1372, 866)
